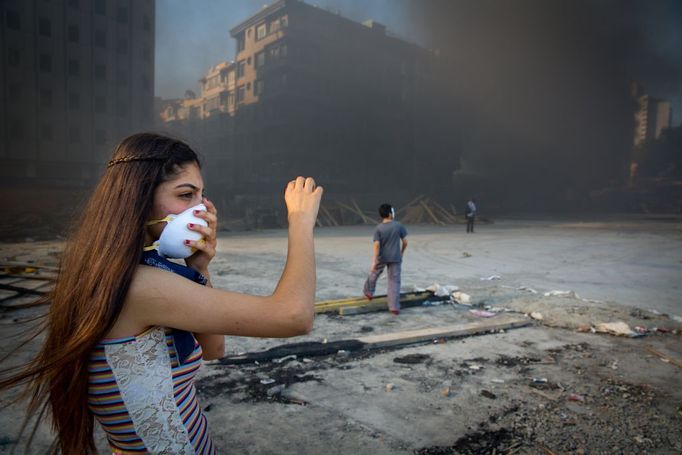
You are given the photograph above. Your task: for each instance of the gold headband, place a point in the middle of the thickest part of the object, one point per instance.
(128, 159)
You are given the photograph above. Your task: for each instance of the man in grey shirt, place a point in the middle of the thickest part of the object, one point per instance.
(389, 246)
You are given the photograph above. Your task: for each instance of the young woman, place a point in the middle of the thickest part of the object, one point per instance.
(126, 329)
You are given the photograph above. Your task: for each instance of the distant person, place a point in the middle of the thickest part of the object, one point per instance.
(127, 329)
(470, 214)
(388, 249)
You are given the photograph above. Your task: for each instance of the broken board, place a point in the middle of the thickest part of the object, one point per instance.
(389, 340)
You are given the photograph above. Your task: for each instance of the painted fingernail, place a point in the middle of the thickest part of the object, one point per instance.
(196, 212)
(191, 225)
(186, 242)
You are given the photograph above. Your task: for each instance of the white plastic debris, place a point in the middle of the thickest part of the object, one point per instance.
(491, 278)
(560, 294)
(614, 328)
(462, 298)
(442, 291)
(537, 316)
(285, 358)
(267, 381)
(528, 289)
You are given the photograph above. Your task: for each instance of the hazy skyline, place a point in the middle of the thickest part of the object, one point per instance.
(193, 36)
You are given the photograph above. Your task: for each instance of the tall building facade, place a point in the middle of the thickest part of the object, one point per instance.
(318, 94)
(77, 76)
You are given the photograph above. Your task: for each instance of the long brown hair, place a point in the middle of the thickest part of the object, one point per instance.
(95, 272)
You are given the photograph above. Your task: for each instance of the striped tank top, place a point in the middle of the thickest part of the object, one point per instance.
(144, 396)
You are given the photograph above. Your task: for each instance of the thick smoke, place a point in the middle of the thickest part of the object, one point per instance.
(542, 86)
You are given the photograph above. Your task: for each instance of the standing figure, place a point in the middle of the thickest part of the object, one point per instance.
(127, 329)
(389, 247)
(470, 214)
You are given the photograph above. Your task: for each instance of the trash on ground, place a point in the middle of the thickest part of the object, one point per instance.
(483, 313)
(614, 328)
(461, 298)
(576, 397)
(466, 255)
(488, 394)
(528, 289)
(390, 387)
(560, 294)
(285, 358)
(537, 316)
(491, 278)
(267, 381)
(442, 291)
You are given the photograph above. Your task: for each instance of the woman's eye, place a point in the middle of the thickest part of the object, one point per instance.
(186, 195)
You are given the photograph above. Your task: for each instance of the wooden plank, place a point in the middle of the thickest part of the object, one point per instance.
(501, 322)
(362, 216)
(334, 305)
(668, 359)
(404, 207)
(433, 217)
(374, 307)
(371, 221)
(329, 216)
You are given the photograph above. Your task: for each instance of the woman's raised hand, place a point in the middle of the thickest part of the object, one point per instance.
(303, 197)
(207, 245)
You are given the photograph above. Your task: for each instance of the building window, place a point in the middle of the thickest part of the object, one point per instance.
(73, 33)
(258, 87)
(260, 59)
(261, 31)
(240, 42)
(13, 57)
(13, 20)
(74, 101)
(74, 135)
(45, 97)
(122, 46)
(100, 38)
(74, 68)
(100, 104)
(230, 99)
(122, 15)
(45, 63)
(146, 23)
(240, 94)
(241, 68)
(46, 133)
(101, 7)
(44, 27)
(274, 25)
(101, 72)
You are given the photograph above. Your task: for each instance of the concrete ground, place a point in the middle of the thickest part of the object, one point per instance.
(593, 393)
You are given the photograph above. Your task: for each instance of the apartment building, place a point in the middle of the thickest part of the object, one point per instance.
(76, 77)
(318, 94)
(218, 96)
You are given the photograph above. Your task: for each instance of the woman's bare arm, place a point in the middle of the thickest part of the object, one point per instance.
(157, 297)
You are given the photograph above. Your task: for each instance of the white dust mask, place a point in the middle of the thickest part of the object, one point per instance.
(171, 243)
